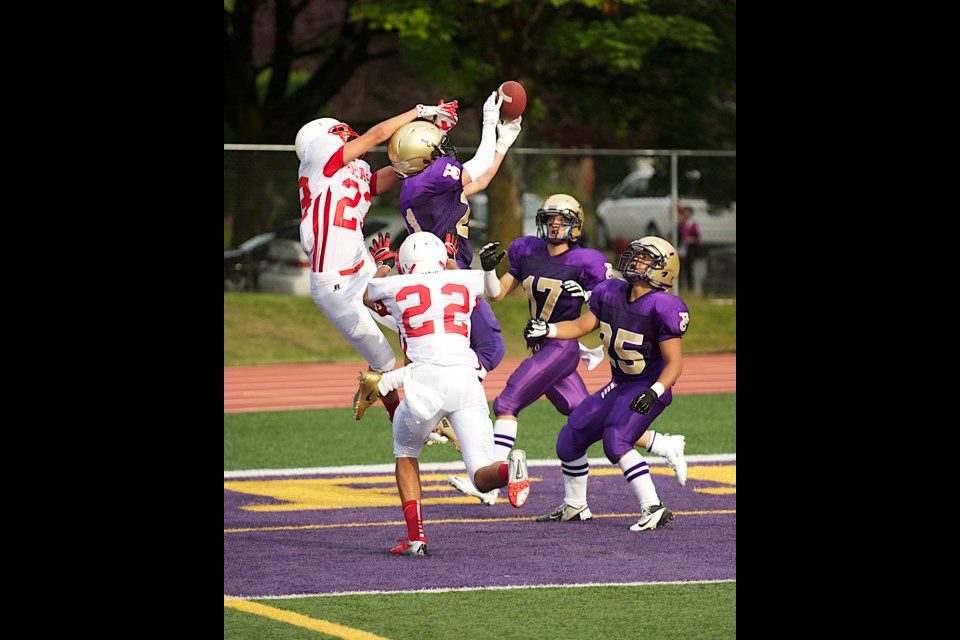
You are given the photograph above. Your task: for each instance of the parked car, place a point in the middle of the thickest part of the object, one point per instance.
(286, 269)
(241, 266)
(631, 211)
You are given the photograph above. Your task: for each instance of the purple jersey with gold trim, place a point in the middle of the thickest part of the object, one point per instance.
(433, 201)
(632, 331)
(542, 276)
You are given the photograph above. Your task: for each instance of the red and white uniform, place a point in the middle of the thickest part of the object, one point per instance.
(433, 313)
(334, 200)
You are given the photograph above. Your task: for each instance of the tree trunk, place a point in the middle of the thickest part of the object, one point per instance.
(505, 209)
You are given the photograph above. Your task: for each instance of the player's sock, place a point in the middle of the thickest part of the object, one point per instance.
(504, 437)
(391, 407)
(414, 519)
(652, 443)
(637, 473)
(575, 474)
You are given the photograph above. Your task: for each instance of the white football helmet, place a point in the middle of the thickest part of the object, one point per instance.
(321, 127)
(422, 252)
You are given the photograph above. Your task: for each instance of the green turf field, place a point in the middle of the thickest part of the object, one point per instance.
(331, 437)
(261, 329)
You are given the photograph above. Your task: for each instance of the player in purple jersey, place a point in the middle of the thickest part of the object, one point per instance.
(558, 276)
(641, 324)
(433, 197)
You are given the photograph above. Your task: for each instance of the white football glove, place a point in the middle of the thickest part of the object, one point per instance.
(444, 115)
(537, 328)
(507, 133)
(435, 438)
(491, 109)
(576, 290)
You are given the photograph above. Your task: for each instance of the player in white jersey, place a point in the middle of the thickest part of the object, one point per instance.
(336, 185)
(432, 306)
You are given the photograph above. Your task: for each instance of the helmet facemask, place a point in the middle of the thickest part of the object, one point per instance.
(571, 214)
(568, 223)
(344, 131)
(650, 259)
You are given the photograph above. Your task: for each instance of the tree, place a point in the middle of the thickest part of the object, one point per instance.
(282, 62)
(599, 73)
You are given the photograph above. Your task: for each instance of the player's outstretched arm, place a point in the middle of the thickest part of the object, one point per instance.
(443, 115)
(566, 330)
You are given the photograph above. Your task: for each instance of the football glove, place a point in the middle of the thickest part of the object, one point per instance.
(576, 290)
(507, 133)
(537, 328)
(444, 115)
(451, 241)
(644, 402)
(489, 258)
(382, 254)
(491, 109)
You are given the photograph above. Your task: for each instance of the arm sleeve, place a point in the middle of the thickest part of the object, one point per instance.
(491, 283)
(482, 161)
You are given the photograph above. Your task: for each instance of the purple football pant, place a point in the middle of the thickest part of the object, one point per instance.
(606, 416)
(485, 337)
(550, 371)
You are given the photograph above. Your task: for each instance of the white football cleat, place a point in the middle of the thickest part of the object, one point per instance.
(465, 486)
(675, 459)
(518, 487)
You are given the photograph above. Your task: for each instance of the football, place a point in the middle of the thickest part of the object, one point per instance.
(514, 100)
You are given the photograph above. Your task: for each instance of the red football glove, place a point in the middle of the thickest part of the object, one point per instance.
(382, 254)
(444, 115)
(452, 243)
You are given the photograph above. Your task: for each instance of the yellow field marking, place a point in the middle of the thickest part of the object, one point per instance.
(305, 494)
(299, 620)
(347, 525)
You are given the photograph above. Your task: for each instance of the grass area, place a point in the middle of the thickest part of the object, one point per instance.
(702, 611)
(331, 437)
(261, 328)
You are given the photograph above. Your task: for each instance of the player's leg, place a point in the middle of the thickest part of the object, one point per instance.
(623, 428)
(670, 448)
(486, 338)
(583, 428)
(408, 435)
(554, 361)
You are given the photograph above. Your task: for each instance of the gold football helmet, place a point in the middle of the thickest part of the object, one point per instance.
(570, 211)
(416, 145)
(652, 259)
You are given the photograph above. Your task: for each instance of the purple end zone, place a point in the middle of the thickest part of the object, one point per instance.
(699, 544)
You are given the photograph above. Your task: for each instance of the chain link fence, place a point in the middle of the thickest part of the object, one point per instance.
(626, 194)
